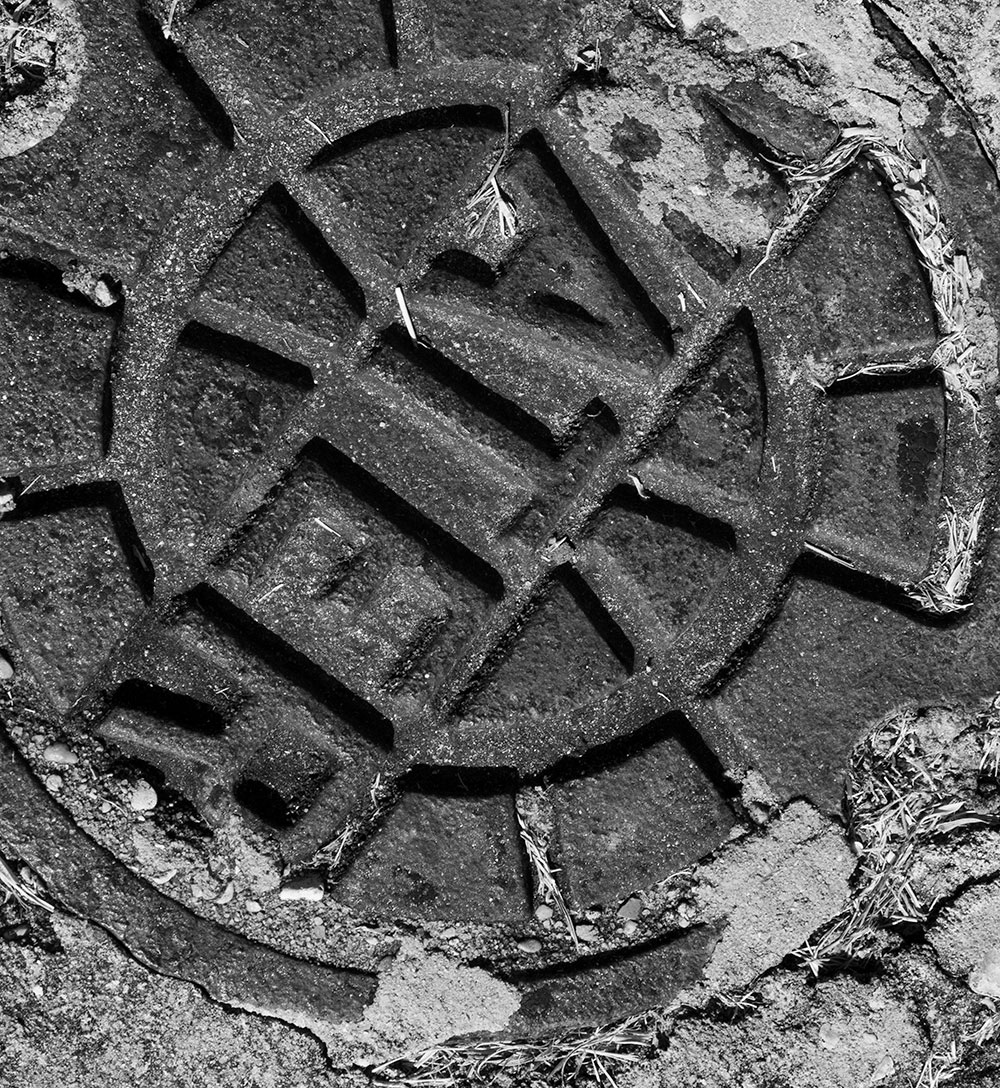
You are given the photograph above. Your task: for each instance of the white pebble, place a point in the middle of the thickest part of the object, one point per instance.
(6, 668)
(59, 753)
(310, 890)
(543, 912)
(530, 945)
(588, 934)
(253, 907)
(53, 782)
(984, 979)
(143, 797)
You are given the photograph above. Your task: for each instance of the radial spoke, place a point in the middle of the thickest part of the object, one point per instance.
(674, 282)
(551, 378)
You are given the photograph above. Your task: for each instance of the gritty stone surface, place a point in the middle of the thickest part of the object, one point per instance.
(82, 1013)
(798, 869)
(423, 999)
(842, 1034)
(967, 937)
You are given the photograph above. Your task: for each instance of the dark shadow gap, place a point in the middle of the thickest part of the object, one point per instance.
(548, 302)
(388, 14)
(264, 802)
(460, 781)
(198, 93)
(866, 587)
(598, 616)
(234, 349)
(480, 397)
(168, 706)
(438, 117)
(371, 492)
(311, 238)
(674, 516)
(465, 265)
(619, 751)
(293, 667)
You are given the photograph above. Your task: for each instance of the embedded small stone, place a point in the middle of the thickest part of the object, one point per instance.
(309, 889)
(543, 912)
(6, 668)
(630, 910)
(53, 782)
(629, 928)
(60, 754)
(253, 907)
(143, 797)
(588, 934)
(984, 979)
(530, 944)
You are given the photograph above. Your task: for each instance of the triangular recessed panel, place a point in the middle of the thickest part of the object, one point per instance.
(568, 654)
(277, 265)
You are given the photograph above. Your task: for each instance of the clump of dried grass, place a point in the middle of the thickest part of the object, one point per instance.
(27, 50)
(595, 1055)
(535, 822)
(939, 1069)
(943, 589)
(898, 804)
(490, 200)
(21, 887)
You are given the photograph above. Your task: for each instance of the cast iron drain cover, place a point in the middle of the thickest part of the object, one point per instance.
(381, 533)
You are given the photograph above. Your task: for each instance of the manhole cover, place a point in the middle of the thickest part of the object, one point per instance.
(408, 537)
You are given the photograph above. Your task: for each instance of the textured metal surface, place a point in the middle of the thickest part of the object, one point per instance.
(375, 584)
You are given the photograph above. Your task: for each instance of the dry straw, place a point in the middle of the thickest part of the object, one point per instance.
(587, 1055)
(943, 590)
(534, 820)
(897, 806)
(490, 200)
(20, 888)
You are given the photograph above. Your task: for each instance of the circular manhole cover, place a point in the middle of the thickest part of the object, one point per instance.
(382, 564)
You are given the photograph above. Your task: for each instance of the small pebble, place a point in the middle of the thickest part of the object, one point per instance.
(829, 1035)
(543, 912)
(6, 668)
(226, 896)
(252, 906)
(106, 807)
(53, 782)
(629, 928)
(530, 945)
(984, 979)
(886, 1068)
(587, 934)
(630, 909)
(59, 753)
(143, 797)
